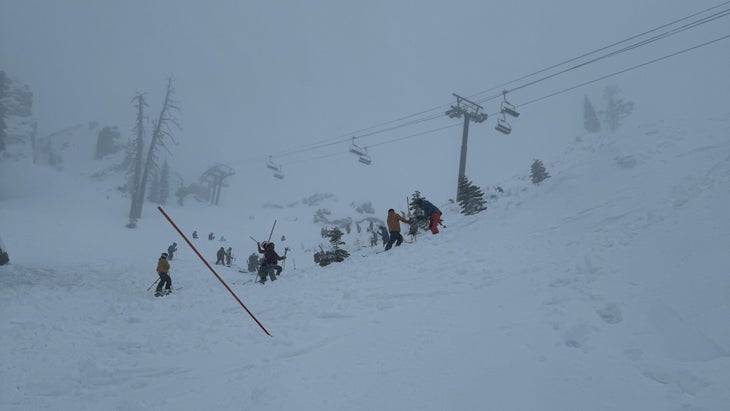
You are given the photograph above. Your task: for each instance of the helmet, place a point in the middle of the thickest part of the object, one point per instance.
(164, 255)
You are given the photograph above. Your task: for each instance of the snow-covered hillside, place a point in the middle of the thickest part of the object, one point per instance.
(603, 288)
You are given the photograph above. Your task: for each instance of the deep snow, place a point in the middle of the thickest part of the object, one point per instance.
(603, 288)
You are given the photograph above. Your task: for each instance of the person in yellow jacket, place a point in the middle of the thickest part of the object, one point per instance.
(163, 270)
(394, 228)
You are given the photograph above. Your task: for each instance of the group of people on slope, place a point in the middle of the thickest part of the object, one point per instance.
(270, 265)
(224, 254)
(430, 211)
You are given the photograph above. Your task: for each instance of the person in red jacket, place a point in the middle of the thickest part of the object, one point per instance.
(431, 212)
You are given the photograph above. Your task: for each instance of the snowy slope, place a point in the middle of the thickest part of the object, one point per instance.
(603, 288)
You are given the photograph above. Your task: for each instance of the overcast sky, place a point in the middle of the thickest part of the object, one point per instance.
(256, 78)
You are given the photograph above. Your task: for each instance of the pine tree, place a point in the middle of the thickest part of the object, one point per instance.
(472, 197)
(415, 214)
(106, 142)
(538, 172)
(590, 118)
(335, 237)
(616, 109)
(336, 254)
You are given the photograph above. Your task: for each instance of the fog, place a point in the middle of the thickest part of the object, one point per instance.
(255, 79)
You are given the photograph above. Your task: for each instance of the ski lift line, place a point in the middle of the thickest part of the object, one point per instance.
(339, 140)
(685, 27)
(415, 135)
(345, 140)
(625, 70)
(704, 20)
(642, 43)
(336, 140)
(555, 93)
(349, 135)
(506, 131)
(597, 51)
(376, 144)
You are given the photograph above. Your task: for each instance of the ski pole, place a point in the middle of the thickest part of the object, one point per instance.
(285, 251)
(153, 284)
(254, 240)
(272, 231)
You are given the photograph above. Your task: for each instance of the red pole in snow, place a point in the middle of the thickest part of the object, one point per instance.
(211, 269)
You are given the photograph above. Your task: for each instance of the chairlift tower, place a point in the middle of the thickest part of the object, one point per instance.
(471, 112)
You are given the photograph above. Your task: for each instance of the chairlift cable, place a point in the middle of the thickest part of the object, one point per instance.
(672, 32)
(348, 137)
(625, 70)
(500, 86)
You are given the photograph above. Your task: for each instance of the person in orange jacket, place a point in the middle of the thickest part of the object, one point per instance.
(394, 221)
(163, 270)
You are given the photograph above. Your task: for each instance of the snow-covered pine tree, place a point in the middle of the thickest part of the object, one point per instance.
(335, 254)
(415, 214)
(106, 142)
(335, 237)
(472, 197)
(590, 119)
(616, 109)
(538, 172)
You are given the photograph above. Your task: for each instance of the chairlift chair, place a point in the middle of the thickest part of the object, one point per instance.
(273, 166)
(357, 150)
(503, 126)
(365, 159)
(507, 107)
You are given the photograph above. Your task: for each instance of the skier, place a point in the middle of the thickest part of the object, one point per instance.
(431, 212)
(253, 262)
(171, 250)
(271, 259)
(163, 270)
(229, 256)
(221, 254)
(195, 234)
(211, 236)
(394, 227)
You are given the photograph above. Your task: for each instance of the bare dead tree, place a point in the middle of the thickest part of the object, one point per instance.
(136, 152)
(161, 132)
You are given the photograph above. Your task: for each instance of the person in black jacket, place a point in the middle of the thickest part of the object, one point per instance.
(171, 251)
(270, 263)
(221, 254)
